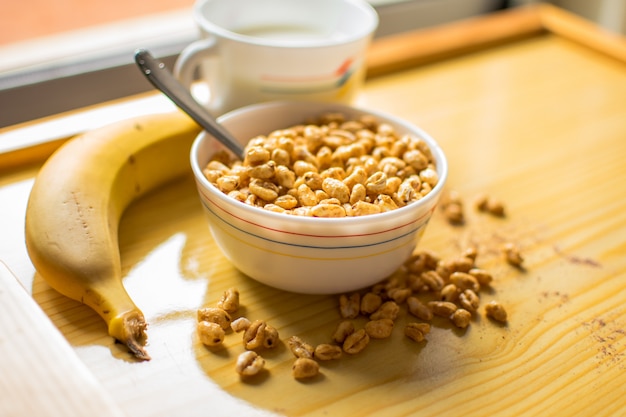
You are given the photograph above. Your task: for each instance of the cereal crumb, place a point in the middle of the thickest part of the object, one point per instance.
(305, 368)
(249, 363)
(512, 254)
(496, 311)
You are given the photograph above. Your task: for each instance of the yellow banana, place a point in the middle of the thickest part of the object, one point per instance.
(77, 199)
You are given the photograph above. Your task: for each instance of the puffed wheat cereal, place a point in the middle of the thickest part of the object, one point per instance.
(496, 311)
(356, 342)
(327, 352)
(367, 167)
(300, 348)
(512, 254)
(417, 331)
(249, 363)
(209, 333)
(215, 315)
(305, 368)
(379, 329)
(229, 301)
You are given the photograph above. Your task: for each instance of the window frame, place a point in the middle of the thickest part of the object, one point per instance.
(62, 73)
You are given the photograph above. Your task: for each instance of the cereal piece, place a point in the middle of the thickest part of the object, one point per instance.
(210, 333)
(450, 293)
(461, 318)
(263, 172)
(433, 280)
(419, 309)
(349, 307)
(313, 180)
(357, 176)
(464, 281)
(416, 159)
(227, 183)
(454, 213)
(363, 208)
(305, 368)
(496, 311)
(422, 261)
(256, 155)
(254, 336)
(229, 301)
(249, 363)
(327, 352)
(376, 183)
(417, 331)
(286, 202)
(370, 302)
(399, 295)
(299, 348)
(306, 196)
(344, 329)
(495, 207)
(215, 315)
(491, 205)
(483, 277)
(379, 329)
(512, 254)
(271, 338)
(240, 325)
(388, 310)
(385, 202)
(480, 202)
(442, 308)
(471, 253)
(328, 210)
(284, 176)
(356, 342)
(274, 208)
(469, 300)
(429, 176)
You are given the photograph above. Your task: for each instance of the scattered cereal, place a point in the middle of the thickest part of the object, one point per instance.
(305, 368)
(326, 352)
(209, 333)
(379, 329)
(249, 363)
(512, 254)
(215, 315)
(239, 325)
(417, 331)
(356, 342)
(461, 318)
(229, 301)
(299, 348)
(496, 311)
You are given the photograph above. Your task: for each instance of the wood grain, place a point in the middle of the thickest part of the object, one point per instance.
(537, 121)
(41, 374)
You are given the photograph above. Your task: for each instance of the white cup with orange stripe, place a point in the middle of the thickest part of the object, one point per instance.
(252, 51)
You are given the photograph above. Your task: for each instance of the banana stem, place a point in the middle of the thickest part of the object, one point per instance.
(129, 328)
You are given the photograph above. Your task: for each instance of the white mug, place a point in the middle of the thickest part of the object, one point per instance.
(252, 51)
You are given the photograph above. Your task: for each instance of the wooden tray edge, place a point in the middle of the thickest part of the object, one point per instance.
(411, 49)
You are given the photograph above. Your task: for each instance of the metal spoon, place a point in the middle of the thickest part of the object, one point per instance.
(161, 78)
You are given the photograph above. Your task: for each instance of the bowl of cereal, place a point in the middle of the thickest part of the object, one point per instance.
(328, 199)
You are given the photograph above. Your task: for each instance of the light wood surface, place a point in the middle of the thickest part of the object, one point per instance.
(537, 119)
(41, 374)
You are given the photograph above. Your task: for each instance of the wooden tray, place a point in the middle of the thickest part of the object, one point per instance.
(529, 106)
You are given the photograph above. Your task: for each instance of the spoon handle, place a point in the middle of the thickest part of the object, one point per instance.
(161, 78)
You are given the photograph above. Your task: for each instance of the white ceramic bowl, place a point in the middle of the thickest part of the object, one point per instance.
(306, 254)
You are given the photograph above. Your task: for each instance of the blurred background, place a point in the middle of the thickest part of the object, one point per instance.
(61, 55)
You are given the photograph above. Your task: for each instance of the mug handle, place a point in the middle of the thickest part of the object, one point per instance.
(190, 58)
